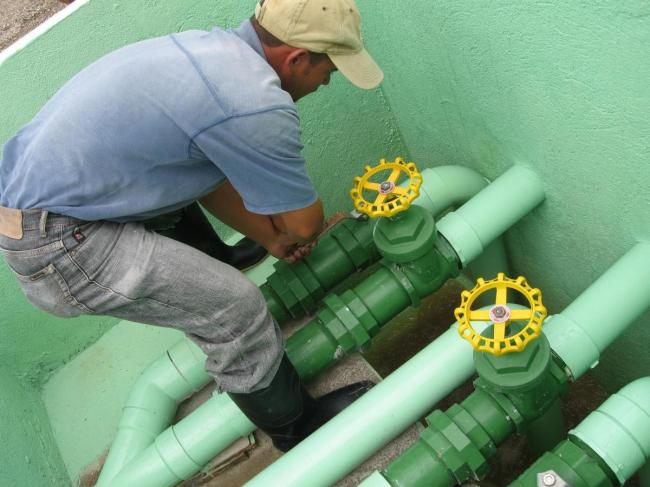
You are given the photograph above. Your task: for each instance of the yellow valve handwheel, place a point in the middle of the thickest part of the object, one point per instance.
(501, 315)
(383, 179)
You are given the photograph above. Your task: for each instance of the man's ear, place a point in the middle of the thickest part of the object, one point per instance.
(297, 57)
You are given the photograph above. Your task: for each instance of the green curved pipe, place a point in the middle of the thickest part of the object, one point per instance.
(445, 187)
(153, 402)
(183, 449)
(619, 430)
(491, 212)
(600, 314)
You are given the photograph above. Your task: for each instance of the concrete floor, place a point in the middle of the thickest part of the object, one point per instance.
(18, 17)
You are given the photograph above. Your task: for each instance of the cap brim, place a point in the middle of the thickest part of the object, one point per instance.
(359, 68)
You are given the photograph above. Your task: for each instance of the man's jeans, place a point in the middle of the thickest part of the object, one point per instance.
(69, 267)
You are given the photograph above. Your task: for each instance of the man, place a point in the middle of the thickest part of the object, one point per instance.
(131, 143)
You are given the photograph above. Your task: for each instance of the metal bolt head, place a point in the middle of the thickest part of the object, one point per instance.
(548, 479)
(500, 313)
(386, 187)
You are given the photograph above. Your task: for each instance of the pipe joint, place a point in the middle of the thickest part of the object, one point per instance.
(294, 290)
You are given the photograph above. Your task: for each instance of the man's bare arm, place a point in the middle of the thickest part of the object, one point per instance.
(280, 234)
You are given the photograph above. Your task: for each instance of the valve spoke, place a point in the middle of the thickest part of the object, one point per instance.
(394, 176)
(479, 315)
(499, 331)
(502, 295)
(400, 191)
(380, 199)
(371, 186)
(521, 314)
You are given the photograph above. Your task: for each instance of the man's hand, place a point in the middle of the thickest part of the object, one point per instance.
(295, 252)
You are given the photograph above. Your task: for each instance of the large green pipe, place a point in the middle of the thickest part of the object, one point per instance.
(491, 212)
(294, 290)
(375, 418)
(619, 430)
(512, 392)
(605, 449)
(601, 313)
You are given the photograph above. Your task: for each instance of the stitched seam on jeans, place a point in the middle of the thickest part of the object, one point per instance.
(51, 247)
(69, 298)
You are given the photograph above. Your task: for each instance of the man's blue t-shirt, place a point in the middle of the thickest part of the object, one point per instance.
(158, 124)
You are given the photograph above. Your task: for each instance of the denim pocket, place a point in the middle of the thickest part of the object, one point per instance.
(47, 290)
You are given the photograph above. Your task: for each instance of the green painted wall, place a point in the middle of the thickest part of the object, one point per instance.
(28, 453)
(561, 86)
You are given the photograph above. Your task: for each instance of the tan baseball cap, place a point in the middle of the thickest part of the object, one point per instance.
(332, 27)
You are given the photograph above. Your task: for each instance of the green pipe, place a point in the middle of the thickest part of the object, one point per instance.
(152, 404)
(294, 290)
(619, 430)
(455, 446)
(605, 449)
(445, 187)
(183, 449)
(600, 314)
(375, 418)
(491, 212)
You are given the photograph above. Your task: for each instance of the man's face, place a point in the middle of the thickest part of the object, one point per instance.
(305, 76)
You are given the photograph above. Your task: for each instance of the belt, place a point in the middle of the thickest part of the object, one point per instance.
(11, 223)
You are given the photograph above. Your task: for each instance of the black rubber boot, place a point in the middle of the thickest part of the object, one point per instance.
(287, 413)
(194, 229)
